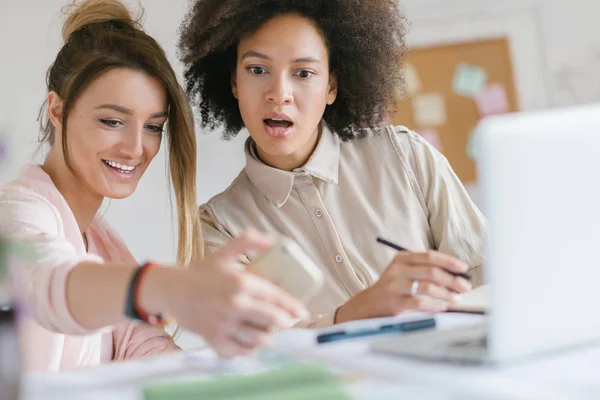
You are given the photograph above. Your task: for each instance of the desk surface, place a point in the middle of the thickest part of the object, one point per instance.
(572, 375)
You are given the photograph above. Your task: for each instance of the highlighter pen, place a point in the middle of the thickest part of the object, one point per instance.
(407, 326)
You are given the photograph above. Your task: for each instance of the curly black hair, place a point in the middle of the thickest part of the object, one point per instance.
(365, 39)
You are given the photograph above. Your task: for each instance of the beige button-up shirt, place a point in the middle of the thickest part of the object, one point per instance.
(389, 183)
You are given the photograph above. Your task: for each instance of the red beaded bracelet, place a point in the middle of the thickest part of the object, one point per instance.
(133, 304)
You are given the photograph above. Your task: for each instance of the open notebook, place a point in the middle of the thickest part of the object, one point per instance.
(475, 301)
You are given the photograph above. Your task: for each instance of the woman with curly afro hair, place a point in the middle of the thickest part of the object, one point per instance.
(311, 81)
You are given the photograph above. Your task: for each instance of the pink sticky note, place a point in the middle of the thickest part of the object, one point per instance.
(492, 100)
(432, 137)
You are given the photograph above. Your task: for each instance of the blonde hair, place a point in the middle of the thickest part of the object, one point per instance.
(101, 35)
(90, 12)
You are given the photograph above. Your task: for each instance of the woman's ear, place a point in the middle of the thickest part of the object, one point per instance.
(234, 88)
(55, 107)
(333, 89)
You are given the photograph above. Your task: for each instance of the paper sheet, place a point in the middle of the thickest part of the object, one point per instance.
(472, 146)
(492, 100)
(429, 109)
(474, 300)
(469, 79)
(432, 137)
(411, 77)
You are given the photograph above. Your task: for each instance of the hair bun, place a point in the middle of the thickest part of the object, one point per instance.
(88, 12)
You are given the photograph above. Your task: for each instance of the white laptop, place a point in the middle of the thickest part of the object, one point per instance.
(539, 176)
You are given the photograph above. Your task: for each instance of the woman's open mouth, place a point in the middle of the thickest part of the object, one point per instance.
(276, 127)
(123, 170)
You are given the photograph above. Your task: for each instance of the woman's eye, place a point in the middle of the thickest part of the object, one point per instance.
(304, 74)
(111, 122)
(155, 128)
(257, 70)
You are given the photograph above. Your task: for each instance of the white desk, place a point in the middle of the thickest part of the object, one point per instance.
(572, 375)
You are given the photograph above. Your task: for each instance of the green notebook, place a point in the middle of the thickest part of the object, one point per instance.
(291, 382)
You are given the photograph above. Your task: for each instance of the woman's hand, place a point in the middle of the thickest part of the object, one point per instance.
(413, 281)
(233, 310)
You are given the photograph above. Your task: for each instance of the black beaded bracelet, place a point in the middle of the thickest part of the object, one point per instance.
(130, 306)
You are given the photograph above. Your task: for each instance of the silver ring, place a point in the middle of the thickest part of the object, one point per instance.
(414, 288)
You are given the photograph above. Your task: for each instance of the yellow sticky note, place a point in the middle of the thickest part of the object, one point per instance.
(429, 109)
(411, 77)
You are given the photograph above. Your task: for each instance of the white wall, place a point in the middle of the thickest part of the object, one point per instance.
(554, 45)
(37, 25)
(567, 37)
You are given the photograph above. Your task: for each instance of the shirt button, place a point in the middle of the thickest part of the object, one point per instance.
(318, 213)
(338, 259)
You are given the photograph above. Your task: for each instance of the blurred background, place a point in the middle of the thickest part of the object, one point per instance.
(468, 59)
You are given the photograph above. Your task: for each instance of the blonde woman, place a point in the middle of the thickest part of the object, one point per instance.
(112, 97)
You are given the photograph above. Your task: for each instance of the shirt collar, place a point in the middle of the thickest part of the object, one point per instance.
(276, 184)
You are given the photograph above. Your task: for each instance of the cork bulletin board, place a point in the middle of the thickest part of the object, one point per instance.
(450, 88)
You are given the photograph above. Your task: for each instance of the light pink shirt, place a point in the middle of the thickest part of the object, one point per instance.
(32, 209)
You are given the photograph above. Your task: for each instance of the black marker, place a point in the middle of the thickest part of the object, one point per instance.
(399, 248)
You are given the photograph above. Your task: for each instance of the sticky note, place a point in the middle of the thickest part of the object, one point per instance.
(492, 100)
(429, 109)
(411, 77)
(432, 137)
(472, 146)
(469, 79)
